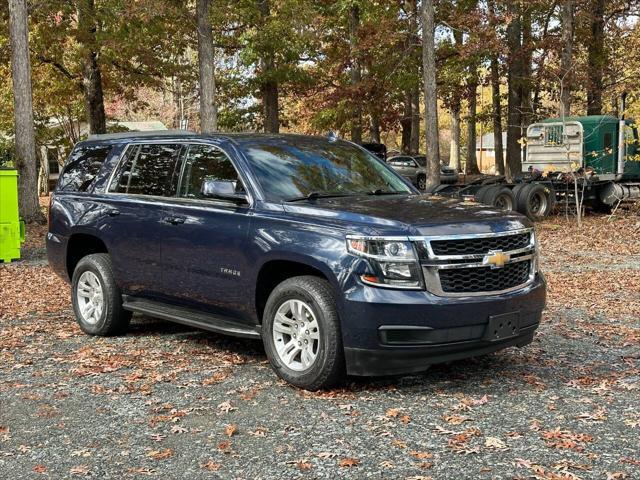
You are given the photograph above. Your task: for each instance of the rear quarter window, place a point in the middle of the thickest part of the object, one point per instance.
(82, 168)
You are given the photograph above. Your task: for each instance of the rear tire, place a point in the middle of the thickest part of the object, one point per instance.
(422, 182)
(301, 333)
(535, 200)
(97, 300)
(497, 196)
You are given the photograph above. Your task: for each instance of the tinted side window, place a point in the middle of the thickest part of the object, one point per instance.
(147, 170)
(82, 168)
(402, 162)
(205, 162)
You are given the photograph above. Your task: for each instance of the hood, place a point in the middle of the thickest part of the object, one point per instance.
(412, 214)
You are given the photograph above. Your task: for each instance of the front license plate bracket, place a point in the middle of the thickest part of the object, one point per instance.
(502, 327)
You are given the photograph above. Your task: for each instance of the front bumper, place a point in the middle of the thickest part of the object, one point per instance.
(391, 332)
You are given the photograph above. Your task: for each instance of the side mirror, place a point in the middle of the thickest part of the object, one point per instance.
(224, 190)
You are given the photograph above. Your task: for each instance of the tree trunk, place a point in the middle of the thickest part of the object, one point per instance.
(269, 88)
(414, 145)
(356, 73)
(91, 76)
(454, 152)
(566, 59)
(526, 84)
(496, 99)
(497, 114)
(527, 54)
(206, 65)
(25, 139)
(413, 39)
(596, 58)
(514, 104)
(471, 165)
(375, 127)
(430, 94)
(406, 124)
(538, 82)
(271, 101)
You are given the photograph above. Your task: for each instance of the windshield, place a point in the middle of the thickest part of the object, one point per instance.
(422, 161)
(292, 169)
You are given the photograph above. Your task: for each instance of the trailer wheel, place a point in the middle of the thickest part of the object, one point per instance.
(535, 201)
(497, 196)
(480, 193)
(517, 189)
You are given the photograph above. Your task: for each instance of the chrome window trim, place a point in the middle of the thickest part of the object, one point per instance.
(182, 143)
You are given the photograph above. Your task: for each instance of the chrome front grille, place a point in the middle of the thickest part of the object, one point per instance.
(483, 279)
(469, 246)
(480, 264)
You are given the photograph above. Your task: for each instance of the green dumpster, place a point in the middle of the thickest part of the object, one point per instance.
(11, 227)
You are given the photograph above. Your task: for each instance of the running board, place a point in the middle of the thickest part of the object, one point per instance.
(191, 318)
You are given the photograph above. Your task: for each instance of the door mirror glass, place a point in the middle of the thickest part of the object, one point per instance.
(222, 189)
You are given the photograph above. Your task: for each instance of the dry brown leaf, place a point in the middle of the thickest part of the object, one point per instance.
(420, 455)
(304, 465)
(211, 466)
(393, 412)
(349, 462)
(160, 454)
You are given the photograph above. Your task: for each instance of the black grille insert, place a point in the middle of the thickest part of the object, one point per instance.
(480, 246)
(484, 279)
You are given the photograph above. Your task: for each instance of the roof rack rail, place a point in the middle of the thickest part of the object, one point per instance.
(145, 133)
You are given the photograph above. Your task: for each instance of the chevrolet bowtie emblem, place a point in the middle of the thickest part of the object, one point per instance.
(496, 259)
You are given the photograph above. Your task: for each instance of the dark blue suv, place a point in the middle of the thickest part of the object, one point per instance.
(313, 245)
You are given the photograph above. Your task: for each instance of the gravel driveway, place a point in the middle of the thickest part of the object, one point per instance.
(167, 401)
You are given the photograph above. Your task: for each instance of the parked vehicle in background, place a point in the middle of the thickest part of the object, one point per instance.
(311, 245)
(414, 169)
(592, 160)
(448, 174)
(378, 149)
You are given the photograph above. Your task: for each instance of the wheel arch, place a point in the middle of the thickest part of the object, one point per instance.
(276, 270)
(79, 246)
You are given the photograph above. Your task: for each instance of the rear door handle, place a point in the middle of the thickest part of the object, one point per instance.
(112, 212)
(175, 220)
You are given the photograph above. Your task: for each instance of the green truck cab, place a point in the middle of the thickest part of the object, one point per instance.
(589, 142)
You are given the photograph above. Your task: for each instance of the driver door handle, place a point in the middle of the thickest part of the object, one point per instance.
(112, 212)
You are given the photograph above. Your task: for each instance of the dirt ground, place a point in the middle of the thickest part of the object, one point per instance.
(167, 401)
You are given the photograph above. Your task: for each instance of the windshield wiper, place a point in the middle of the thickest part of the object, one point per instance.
(379, 191)
(314, 195)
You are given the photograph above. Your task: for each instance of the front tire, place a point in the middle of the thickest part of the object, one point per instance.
(301, 333)
(97, 300)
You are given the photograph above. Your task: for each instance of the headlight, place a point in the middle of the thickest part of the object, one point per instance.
(393, 261)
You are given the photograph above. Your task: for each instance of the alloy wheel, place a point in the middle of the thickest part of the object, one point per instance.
(90, 295)
(296, 335)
